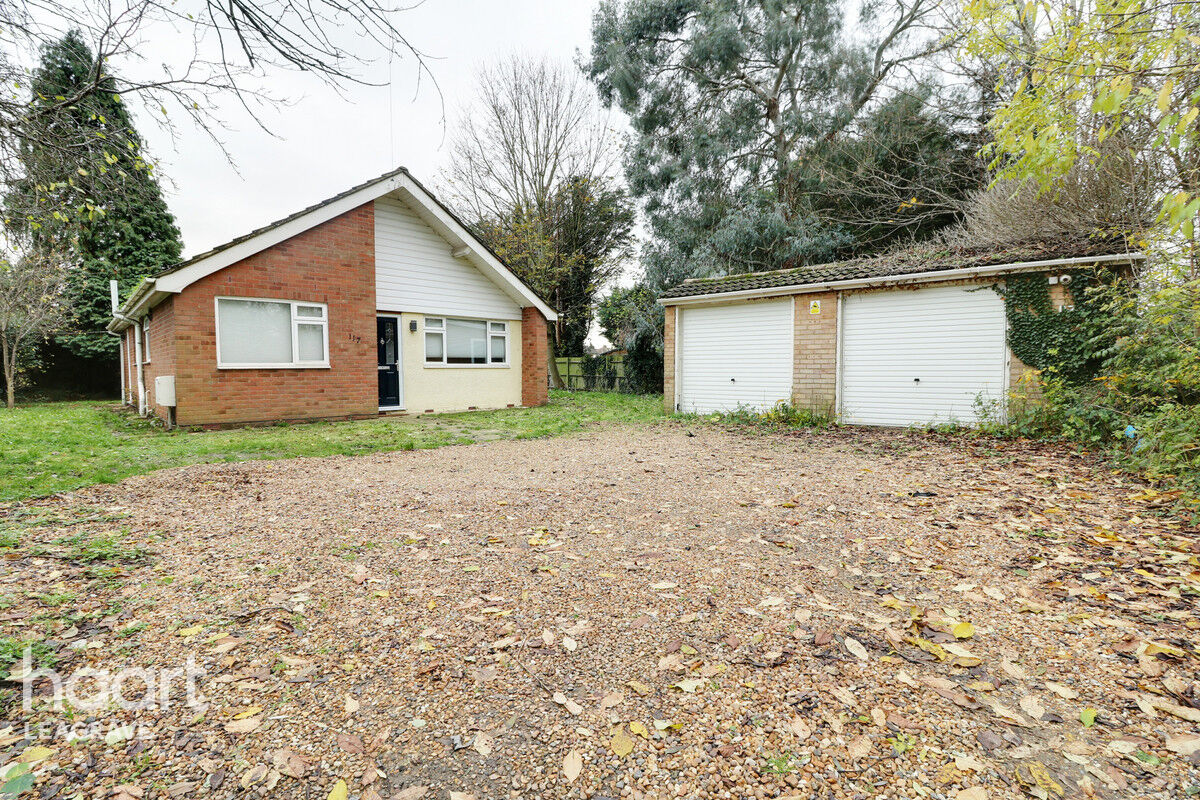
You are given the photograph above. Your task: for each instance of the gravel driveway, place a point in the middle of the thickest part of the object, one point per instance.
(647, 612)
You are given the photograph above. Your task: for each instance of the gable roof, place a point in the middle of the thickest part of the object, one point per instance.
(918, 264)
(432, 211)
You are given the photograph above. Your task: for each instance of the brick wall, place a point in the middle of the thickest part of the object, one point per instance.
(669, 358)
(535, 363)
(814, 370)
(332, 263)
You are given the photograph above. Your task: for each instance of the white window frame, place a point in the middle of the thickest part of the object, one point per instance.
(146, 340)
(296, 363)
(426, 330)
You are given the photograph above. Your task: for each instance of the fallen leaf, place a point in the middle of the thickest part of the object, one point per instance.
(1032, 706)
(572, 765)
(801, 728)
(1088, 717)
(32, 755)
(689, 685)
(859, 747)
(483, 744)
(971, 793)
(639, 729)
(856, 649)
(243, 725)
(574, 708)
(963, 630)
(352, 705)
(622, 743)
(1065, 692)
(339, 791)
(612, 699)
(639, 687)
(411, 793)
(1186, 745)
(569, 643)
(290, 763)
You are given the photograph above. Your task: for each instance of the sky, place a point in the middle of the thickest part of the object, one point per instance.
(323, 142)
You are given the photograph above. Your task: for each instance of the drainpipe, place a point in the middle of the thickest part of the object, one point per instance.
(137, 350)
(112, 290)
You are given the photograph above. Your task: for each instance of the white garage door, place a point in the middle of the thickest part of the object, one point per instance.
(735, 355)
(914, 357)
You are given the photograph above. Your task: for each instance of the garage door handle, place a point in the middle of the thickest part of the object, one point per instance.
(733, 380)
(916, 380)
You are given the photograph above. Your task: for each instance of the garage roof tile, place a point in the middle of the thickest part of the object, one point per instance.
(899, 263)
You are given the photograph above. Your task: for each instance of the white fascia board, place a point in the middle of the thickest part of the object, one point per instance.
(180, 280)
(898, 280)
(478, 255)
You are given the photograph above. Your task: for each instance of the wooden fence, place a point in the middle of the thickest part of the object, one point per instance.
(594, 373)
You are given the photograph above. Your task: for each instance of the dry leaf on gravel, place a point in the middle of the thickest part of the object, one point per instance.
(859, 747)
(339, 791)
(570, 705)
(1186, 745)
(245, 725)
(290, 763)
(1032, 706)
(1065, 692)
(799, 727)
(622, 742)
(411, 793)
(856, 649)
(572, 766)
(971, 793)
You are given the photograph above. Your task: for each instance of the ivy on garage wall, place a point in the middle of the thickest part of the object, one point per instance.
(1068, 343)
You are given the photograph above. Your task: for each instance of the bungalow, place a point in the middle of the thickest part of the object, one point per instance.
(905, 339)
(378, 299)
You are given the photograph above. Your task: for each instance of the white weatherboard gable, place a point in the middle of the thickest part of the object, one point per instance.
(417, 270)
(456, 237)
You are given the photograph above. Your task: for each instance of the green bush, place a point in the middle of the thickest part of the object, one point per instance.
(1142, 405)
(782, 415)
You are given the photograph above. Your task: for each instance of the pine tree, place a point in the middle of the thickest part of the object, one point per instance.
(88, 191)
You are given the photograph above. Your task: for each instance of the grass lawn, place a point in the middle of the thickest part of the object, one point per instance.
(52, 447)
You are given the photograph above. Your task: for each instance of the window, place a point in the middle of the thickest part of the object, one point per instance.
(146, 340)
(458, 342)
(271, 333)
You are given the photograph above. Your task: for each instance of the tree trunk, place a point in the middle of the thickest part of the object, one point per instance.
(10, 365)
(556, 380)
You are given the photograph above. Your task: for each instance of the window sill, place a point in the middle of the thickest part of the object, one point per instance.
(466, 366)
(272, 366)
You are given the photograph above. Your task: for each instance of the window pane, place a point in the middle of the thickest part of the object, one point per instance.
(311, 342)
(498, 350)
(255, 332)
(433, 347)
(433, 322)
(497, 327)
(310, 311)
(466, 341)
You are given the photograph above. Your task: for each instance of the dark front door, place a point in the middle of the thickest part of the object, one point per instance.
(389, 362)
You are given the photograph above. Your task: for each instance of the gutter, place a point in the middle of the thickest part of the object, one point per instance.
(888, 280)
